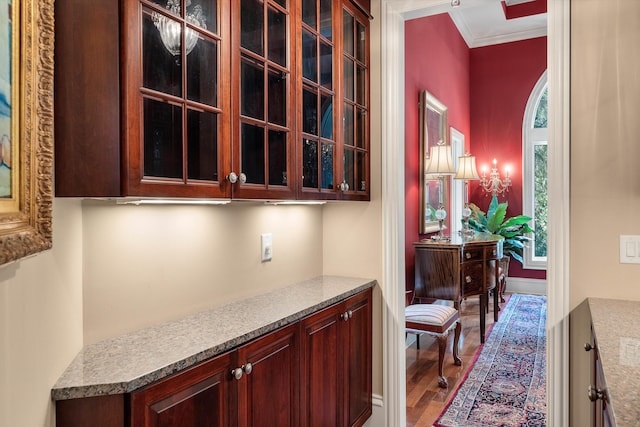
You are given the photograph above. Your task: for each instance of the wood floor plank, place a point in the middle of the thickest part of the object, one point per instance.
(425, 400)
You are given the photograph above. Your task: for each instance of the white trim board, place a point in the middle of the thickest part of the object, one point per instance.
(521, 285)
(377, 416)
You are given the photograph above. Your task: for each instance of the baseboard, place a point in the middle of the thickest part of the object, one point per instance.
(521, 285)
(377, 415)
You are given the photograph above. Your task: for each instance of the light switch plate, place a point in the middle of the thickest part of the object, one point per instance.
(629, 249)
(266, 246)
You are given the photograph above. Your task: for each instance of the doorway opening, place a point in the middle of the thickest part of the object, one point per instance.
(393, 15)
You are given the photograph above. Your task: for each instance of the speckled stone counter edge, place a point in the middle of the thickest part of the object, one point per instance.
(611, 320)
(74, 382)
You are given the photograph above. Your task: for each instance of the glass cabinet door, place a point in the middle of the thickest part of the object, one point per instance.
(262, 125)
(317, 86)
(355, 103)
(184, 111)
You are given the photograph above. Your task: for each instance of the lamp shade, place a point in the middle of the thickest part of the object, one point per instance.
(467, 168)
(441, 161)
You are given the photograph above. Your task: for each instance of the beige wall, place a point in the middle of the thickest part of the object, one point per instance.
(146, 264)
(605, 146)
(352, 232)
(605, 176)
(40, 321)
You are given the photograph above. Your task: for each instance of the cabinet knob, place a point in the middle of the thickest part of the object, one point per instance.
(595, 394)
(468, 279)
(248, 368)
(236, 373)
(232, 178)
(344, 316)
(350, 313)
(588, 346)
(344, 186)
(467, 255)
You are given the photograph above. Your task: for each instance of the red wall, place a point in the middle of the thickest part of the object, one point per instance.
(436, 60)
(486, 90)
(501, 80)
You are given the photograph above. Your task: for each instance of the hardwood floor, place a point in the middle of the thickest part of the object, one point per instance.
(425, 400)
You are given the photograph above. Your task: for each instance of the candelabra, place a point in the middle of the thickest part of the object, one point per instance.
(493, 184)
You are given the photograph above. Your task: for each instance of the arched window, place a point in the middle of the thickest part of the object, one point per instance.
(534, 166)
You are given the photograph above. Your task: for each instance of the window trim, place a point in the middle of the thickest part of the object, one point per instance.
(530, 138)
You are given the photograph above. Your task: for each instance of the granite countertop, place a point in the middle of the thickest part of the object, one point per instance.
(128, 362)
(616, 325)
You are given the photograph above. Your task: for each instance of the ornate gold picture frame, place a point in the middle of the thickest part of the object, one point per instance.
(26, 208)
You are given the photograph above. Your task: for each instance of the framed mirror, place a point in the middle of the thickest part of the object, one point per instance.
(433, 129)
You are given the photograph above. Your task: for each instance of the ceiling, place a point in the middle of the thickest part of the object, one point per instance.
(483, 22)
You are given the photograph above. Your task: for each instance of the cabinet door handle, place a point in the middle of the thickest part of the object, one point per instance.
(344, 316)
(595, 393)
(350, 313)
(344, 186)
(588, 346)
(248, 368)
(468, 279)
(242, 178)
(236, 373)
(467, 255)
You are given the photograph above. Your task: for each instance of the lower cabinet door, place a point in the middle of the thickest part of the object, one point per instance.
(197, 397)
(335, 355)
(268, 390)
(321, 368)
(358, 343)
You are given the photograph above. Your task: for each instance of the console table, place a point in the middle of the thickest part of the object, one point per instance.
(459, 268)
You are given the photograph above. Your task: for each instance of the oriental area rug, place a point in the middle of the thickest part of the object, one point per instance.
(506, 385)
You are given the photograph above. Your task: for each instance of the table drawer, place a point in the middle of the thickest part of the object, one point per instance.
(471, 254)
(492, 252)
(472, 278)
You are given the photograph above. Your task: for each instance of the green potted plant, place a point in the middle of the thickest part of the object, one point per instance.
(514, 230)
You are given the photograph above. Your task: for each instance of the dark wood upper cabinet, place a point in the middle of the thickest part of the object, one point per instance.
(212, 99)
(333, 123)
(142, 98)
(263, 121)
(355, 103)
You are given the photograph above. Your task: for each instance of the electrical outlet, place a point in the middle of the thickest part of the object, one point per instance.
(266, 246)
